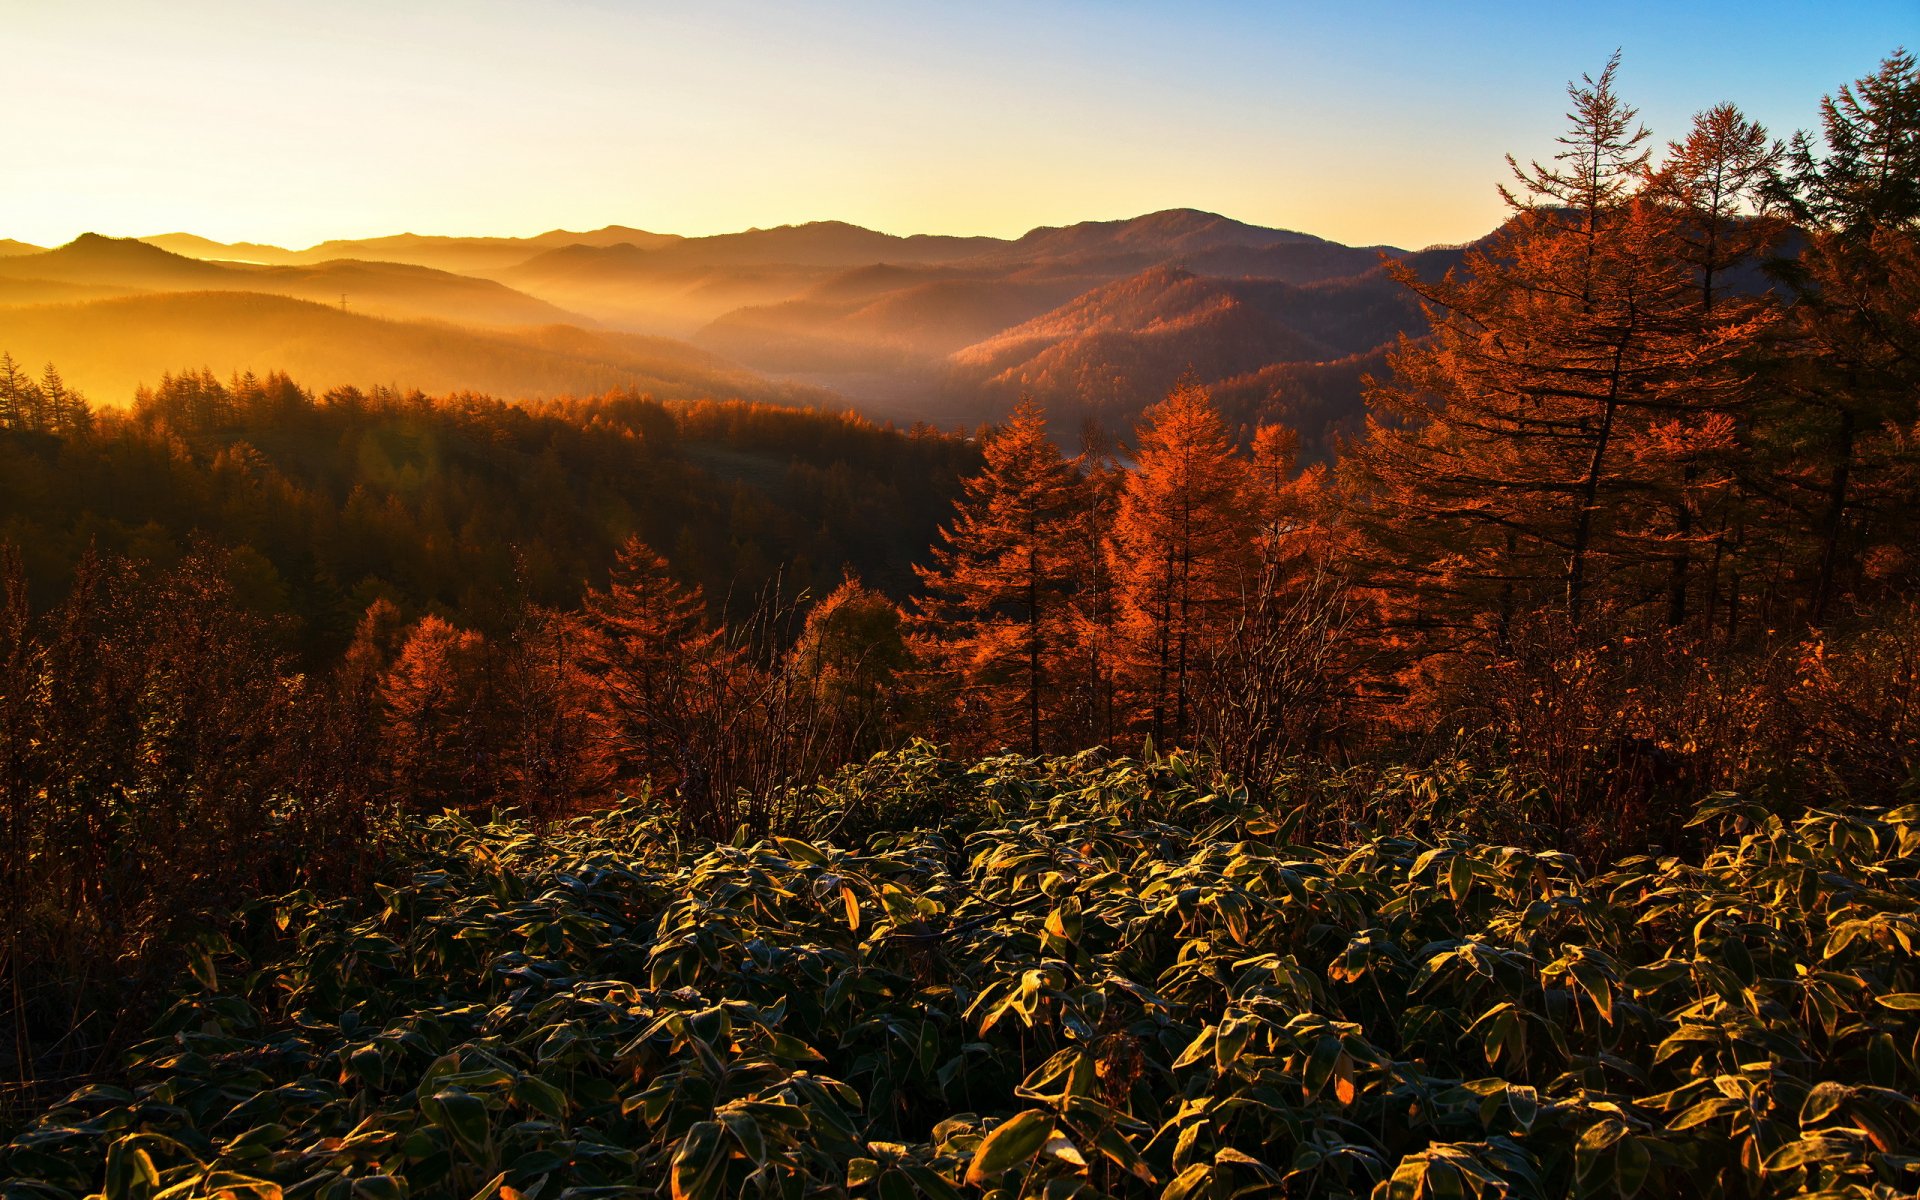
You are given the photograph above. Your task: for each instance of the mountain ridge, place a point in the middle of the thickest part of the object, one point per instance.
(130, 266)
(1094, 318)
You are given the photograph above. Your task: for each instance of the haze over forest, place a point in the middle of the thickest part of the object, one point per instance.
(1096, 319)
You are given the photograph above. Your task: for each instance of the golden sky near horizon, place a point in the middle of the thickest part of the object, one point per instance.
(293, 123)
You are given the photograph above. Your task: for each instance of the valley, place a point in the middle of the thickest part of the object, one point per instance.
(1096, 319)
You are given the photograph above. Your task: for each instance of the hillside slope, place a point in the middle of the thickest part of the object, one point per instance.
(109, 347)
(1118, 348)
(129, 266)
(1094, 319)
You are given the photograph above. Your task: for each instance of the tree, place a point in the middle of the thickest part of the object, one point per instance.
(553, 760)
(1096, 597)
(996, 612)
(432, 695)
(1851, 406)
(1716, 179)
(1180, 549)
(1716, 183)
(63, 409)
(1867, 178)
(656, 657)
(853, 653)
(1536, 437)
(20, 399)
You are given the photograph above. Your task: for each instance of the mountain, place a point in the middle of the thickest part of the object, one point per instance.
(1111, 352)
(1323, 401)
(192, 245)
(680, 287)
(9, 248)
(457, 254)
(1095, 318)
(128, 266)
(119, 262)
(107, 348)
(627, 287)
(483, 255)
(1161, 235)
(861, 317)
(834, 297)
(821, 244)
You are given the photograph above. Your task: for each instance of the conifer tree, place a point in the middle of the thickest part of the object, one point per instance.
(553, 749)
(1716, 182)
(1851, 407)
(853, 653)
(996, 615)
(649, 644)
(18, 396)
(431, 694)
(1096, 597)
(59, 412)
(1717, 179)
(1525, 454)
(1180, 546)
(1284, 502)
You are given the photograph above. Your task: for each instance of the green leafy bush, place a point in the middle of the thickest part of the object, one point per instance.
(1110, 979)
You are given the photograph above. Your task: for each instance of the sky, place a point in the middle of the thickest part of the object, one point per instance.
(1367, 121)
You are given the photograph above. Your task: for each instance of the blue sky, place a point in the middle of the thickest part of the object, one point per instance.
(1366, 122)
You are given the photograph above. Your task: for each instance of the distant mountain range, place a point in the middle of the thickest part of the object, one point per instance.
(124, 266)
(1095, 319)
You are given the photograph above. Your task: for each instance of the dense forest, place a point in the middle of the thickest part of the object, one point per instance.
(442, 796)
(458, 504)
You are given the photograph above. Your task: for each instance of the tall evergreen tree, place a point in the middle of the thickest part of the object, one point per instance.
(1855, 357)
(1717, 179)
(996, 613)
(1525, 455)
(649, 644)
(19, 398)
(1181, 547)
(1713, 187)
(433, 694)
(60, 406)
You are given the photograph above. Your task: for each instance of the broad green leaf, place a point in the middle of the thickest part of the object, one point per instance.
(1014, 1141)
(1188, 1182)
(697, 1172)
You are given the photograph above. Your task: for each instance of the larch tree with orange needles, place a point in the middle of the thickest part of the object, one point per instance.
(656, 657)
(1181, 550)
(433, 694)
(997, 615)
(1525, 456)
(1714, 183)
(1844, 452)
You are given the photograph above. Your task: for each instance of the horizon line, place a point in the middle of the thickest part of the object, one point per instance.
(561, 229)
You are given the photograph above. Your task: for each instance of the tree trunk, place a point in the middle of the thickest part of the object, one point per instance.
(1589, 497)
(1833, 523)
(1682, 560)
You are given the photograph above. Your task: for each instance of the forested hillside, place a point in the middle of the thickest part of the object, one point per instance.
(459, 505)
